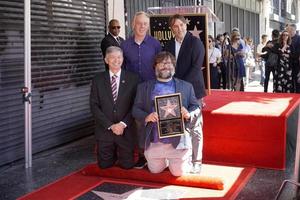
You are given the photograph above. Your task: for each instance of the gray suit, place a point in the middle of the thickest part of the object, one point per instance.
(107, 113)
(143, 106)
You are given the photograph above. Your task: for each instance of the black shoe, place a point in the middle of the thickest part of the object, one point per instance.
(141, 163)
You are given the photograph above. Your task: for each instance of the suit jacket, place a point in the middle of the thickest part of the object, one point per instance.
(143, 105)
(108, 41)
(189, 62)
(103, 108)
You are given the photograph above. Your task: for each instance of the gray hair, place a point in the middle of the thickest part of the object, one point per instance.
(138, 14)
(112, 49)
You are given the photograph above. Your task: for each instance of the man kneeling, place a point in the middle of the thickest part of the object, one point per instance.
(173, 152)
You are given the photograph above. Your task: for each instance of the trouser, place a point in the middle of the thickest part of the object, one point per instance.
(268, 70)
(222, 75)
(262, 72)
(197, 139)
(160, 156)
(214, 79)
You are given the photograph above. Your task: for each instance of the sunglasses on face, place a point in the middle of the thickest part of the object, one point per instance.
(116, 27)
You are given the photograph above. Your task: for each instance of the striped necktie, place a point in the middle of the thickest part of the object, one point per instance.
(114, 87)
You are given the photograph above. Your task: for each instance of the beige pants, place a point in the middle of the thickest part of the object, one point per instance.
(160, 156)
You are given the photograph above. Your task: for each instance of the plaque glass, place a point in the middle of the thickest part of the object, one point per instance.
(170, 121)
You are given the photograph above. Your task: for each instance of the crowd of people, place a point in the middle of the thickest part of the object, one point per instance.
(138, 69)
(233, 67)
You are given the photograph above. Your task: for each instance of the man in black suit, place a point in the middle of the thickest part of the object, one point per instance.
(112, 38)
(189, 53)
(111, 99)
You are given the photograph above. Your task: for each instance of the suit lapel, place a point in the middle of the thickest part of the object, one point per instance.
(107, 86)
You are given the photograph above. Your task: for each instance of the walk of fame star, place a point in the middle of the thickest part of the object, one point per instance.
(169, 109)
(195, 32)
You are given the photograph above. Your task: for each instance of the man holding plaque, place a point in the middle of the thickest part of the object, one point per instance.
(174, 151)
(189, 53)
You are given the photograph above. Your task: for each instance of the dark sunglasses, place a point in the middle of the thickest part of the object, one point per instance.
(116, 27)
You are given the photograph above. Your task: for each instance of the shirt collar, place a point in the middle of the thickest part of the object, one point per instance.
(118, 74)
(113, 35)
(145, 39)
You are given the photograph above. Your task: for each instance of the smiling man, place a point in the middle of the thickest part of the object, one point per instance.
(139, 52)
(189, 53)
(111, 100)
(174, 152)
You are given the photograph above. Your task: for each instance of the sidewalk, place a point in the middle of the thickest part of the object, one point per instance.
(254, 84)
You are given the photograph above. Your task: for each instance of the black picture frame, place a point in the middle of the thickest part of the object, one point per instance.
(170, 120)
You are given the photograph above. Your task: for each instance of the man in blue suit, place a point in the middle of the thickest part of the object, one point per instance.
(174, 152)
(189, 53)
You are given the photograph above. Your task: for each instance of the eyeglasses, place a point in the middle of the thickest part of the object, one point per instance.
(166, 63)
(116, 27)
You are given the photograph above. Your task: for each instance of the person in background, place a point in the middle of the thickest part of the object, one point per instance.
(111, 99)
(236, 65)
(260, 60)
(283, 78)
(214, 57)
(112, 38)
(295, 44)
(173, 152)
(267, 50)
(249, 60)
(139, 52)
(220, 40)
(189, 53)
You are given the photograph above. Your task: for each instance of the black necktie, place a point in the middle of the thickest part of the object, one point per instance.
(118, 40)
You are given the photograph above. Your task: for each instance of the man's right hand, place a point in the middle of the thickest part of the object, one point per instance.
(152, 117)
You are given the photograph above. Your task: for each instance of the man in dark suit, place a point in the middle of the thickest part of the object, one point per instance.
(111, 99)
(112, 38)
(189, 53)
(176, 150)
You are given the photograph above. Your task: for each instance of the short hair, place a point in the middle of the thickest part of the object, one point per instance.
(264, 36)
(174, 17)
(293, 25)
(112, 21)
(161, 56)
(211, 37)
(275, 33)
(112, 49)
(138, 14)
(219, 36)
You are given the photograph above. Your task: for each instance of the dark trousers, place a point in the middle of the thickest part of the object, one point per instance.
(268, 70)
(214, 78)
(222, 75)
(110, 151)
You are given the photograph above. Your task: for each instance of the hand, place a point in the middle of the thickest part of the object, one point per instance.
(118, 128)
(185, 113)
(152, 117)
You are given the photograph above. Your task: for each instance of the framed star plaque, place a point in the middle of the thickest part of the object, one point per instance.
(170, 120)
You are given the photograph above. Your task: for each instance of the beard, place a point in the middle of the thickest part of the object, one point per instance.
(164, 73)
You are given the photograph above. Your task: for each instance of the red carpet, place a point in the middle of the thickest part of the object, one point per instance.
(247, 128)
(165, 177)
(78, 185)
